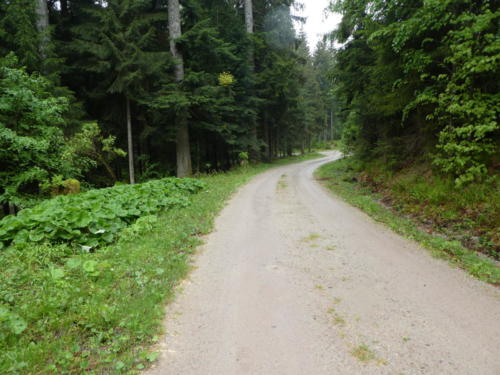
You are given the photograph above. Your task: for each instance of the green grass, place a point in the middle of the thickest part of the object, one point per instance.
(343, 179)
(68, 312)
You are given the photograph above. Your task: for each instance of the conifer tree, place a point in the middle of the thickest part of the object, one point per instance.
(121, 56)
(18, 32)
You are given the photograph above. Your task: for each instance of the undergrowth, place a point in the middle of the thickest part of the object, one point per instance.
(64, 311)
(451, 222)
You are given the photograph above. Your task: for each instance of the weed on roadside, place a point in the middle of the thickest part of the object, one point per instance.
(311, 238)
(363, 353)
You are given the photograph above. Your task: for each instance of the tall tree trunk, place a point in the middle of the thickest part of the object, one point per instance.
(331, 125)
(249, 16)
(183, 149)
(131, 171)
(64, 7)
(267, 140)
(249, 28)
(42, 24)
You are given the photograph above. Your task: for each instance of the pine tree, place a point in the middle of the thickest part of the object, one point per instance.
(18, 32)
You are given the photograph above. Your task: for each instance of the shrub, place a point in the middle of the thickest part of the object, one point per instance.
(94, 218)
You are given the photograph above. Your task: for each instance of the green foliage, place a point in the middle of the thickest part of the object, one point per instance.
(31, 137)
(468, 107)
(18, 32)
(94, 218)
(226, 79)
(58, 186)
(115, 45)
(421, 78)
(89, 148)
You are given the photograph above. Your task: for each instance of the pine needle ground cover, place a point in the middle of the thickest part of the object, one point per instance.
(457, 224)
(65, 310)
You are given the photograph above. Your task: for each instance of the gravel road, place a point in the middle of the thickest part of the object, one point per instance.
(295, 281)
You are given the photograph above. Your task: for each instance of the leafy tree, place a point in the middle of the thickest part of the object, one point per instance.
(31, 136)
(89, 148)
(417, 75)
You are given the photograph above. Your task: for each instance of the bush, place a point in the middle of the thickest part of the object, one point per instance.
(94, 218)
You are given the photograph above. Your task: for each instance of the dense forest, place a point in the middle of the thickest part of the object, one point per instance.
(189, 88)
(418, 80)
(108, 91)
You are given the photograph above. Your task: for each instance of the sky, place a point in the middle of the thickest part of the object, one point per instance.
(317, 22)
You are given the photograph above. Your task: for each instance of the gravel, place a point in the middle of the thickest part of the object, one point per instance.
(295, 281)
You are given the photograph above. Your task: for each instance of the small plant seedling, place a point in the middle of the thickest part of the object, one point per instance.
(382, 362)
(363, 353)
(331, 248)
(312, 237)
(338, 320)
(282, 184)
(406, 339)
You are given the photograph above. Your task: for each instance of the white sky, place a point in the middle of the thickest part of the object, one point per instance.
(318, 23)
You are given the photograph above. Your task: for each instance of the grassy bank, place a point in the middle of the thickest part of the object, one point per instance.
(424, 208)
(67, 312)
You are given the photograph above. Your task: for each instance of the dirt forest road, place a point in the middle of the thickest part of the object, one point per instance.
(295, 281)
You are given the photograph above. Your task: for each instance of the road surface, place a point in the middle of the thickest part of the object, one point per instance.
(295, 281)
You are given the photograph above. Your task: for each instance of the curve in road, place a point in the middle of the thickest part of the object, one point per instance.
(295, 281)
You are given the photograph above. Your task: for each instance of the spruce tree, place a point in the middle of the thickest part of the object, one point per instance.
(116, 47)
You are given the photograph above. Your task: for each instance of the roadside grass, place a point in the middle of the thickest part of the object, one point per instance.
(344, 179)
(68, 312)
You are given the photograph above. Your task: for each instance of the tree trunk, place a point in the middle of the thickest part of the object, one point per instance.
(254, 151)
(331, 125)
(64, 7)
(249, 16)
(42, 24)
(183, 149)
(130, 145)
(267, 140)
